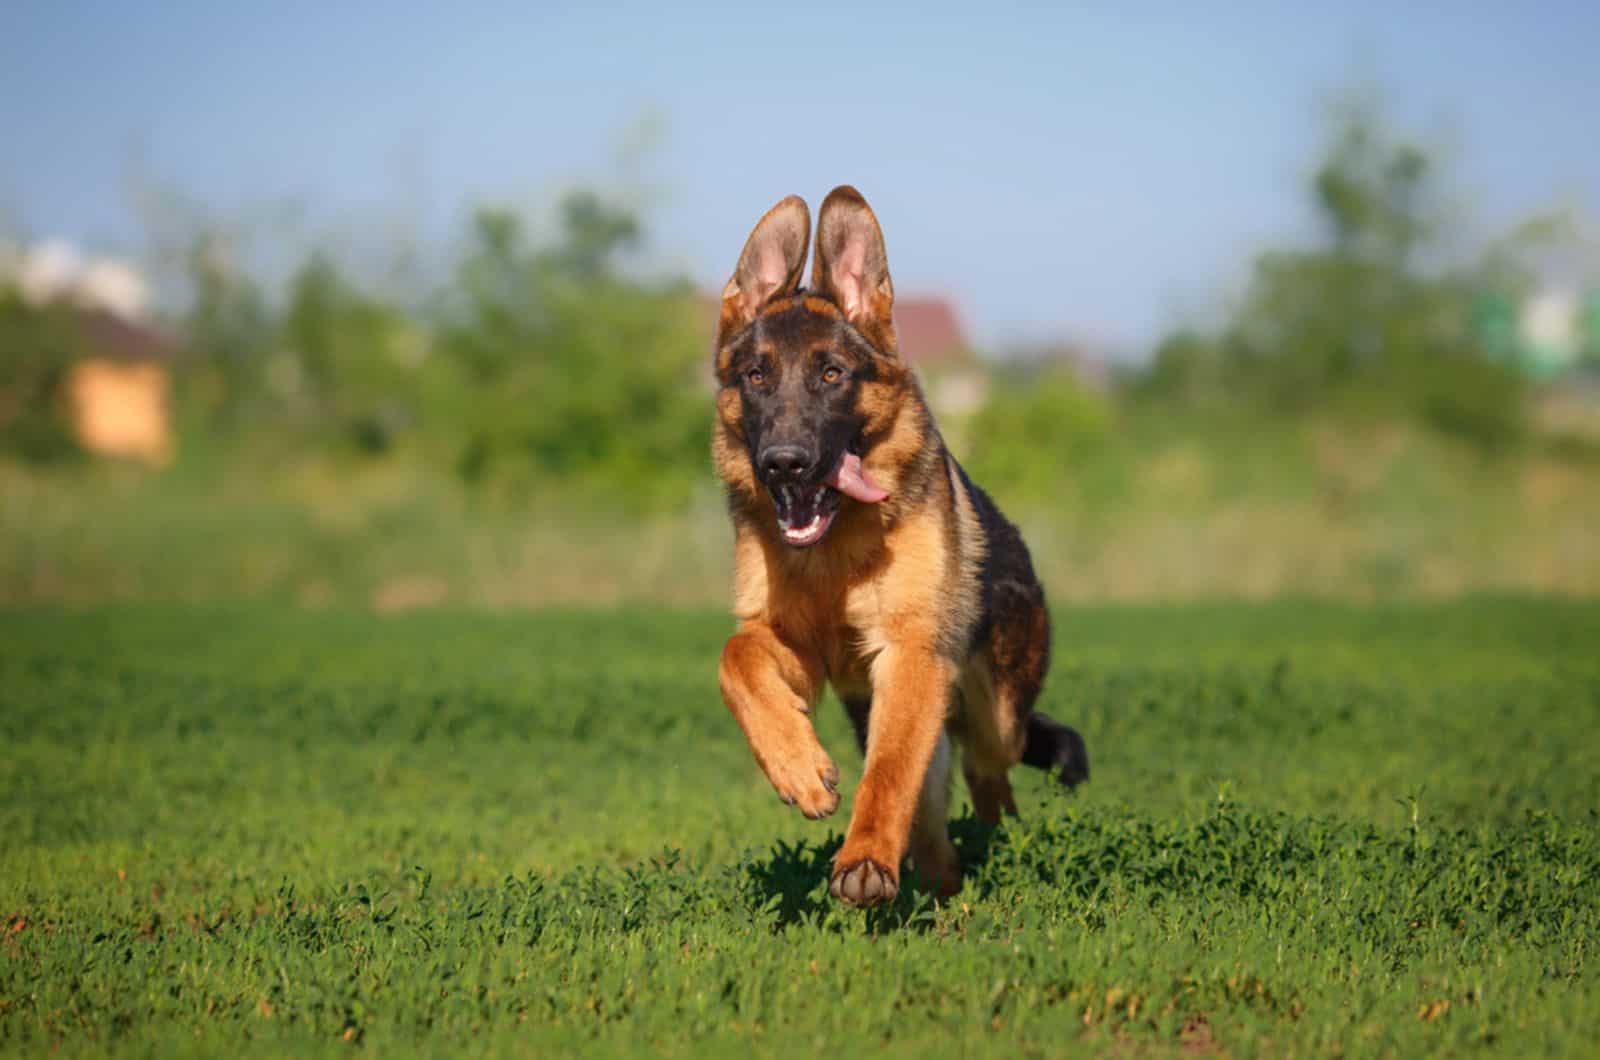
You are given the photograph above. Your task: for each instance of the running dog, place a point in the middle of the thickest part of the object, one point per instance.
(866, 559)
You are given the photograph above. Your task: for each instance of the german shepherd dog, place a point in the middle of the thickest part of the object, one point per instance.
(865, 558)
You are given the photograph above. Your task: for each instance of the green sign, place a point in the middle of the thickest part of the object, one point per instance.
(1589, 330)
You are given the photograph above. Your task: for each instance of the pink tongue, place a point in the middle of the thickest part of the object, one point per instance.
(851, 479)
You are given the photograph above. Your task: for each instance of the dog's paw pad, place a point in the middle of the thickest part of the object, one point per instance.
(864, 883)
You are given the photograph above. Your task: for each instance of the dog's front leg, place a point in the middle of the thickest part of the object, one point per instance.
(910, 696)
(771, 688)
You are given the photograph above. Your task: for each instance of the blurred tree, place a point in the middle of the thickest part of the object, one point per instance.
(38, 345)
(352, 362)
(575, 368)
(538, 359)
(227, 332)
(593, 234)
(1186, 365)
(1360, 318)
(311, 321)
(1316, 319)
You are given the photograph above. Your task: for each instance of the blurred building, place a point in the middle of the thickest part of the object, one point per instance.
(118, 390)
(935, 344)
(930, 332)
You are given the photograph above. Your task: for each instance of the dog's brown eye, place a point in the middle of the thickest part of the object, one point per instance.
(756, 376)
(831, 374)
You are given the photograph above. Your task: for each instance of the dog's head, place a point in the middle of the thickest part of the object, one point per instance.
(803, 372)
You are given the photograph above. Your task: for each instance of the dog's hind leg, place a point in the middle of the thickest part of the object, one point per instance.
(1019, 654)
(858, 707)
(991, 743)
(931, 851)
(1000, 727)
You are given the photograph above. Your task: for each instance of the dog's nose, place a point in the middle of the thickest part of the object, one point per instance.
(787, 460)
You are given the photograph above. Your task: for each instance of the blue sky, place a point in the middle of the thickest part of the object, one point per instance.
(1082, 169)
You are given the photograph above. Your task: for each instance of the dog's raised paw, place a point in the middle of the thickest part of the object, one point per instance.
(811, 786)
(864, 883)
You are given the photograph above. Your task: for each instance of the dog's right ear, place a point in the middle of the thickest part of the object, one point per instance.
(770, 266)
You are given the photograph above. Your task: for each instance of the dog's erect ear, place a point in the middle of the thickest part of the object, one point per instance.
(851, 266)
(771, 264)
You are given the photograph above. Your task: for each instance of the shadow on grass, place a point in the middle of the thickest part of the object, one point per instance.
(792, 881)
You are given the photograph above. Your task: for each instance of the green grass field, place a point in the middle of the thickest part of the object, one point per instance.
(1311, 830)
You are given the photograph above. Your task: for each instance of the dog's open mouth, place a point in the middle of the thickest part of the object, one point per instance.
(807, 509)
(805, 512)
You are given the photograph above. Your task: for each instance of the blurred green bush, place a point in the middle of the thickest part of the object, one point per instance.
(534, 364)
(560, 365)
(1034, 430)
(38, 345)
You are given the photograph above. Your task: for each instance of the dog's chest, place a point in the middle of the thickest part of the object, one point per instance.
(856, 637)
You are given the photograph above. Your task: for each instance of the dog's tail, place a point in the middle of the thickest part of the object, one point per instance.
(1056, 749)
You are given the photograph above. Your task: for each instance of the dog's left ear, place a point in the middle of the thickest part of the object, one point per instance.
(852, 267)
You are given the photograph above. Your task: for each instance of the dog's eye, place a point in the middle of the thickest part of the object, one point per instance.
(756, 376)
(832, 374)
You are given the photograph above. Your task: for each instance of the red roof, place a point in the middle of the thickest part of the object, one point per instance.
(929, 330)
(108, 335)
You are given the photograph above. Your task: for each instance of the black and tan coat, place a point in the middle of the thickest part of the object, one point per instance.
(921, 608)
